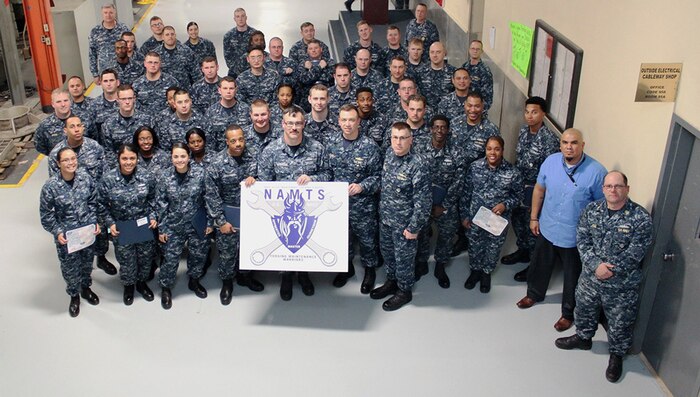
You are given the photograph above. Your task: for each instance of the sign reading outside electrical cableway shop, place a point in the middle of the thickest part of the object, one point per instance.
(289, 227)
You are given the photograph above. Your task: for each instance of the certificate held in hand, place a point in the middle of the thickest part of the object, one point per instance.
(487, 220)
(133, 231)
(80, 238)
(233, 216)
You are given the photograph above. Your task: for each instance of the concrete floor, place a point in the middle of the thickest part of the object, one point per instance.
(337, 343)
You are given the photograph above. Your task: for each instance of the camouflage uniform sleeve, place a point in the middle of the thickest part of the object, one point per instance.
(370, 185)
(324, 169)
(93, 51)
(454, 191)
(515, 193)
(212, 198)
(47, 211)
(151, 197)
(466, 197)
(584, 238)
(103, 214)
(640, 242)
(266, 169)
(92, 200)
(41, 140)
(422, 200)
(229, 51)
(162, 205)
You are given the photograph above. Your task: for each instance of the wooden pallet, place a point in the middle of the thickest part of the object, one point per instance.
(22, 144)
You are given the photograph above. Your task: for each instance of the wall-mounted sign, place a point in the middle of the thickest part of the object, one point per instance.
(658, 82)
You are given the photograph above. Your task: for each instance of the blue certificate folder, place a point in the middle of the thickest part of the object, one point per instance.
(131, 233)
(199, 221)
(439, 194)
(233, 216)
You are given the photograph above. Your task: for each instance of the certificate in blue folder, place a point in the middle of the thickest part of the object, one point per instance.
(439, 194)
(133, 231)
(233, 216)
(199, 221)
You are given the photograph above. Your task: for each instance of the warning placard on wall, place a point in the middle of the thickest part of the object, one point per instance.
(658, 82)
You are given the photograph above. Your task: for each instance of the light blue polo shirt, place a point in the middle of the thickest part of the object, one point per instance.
(568, 191)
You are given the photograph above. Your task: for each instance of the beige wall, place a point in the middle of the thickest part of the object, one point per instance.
(458, 10)
(616, 38)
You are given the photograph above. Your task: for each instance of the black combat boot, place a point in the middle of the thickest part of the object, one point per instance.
(443, 280)
(74, 306)
(286, 286)
(614, 371)
(143, 289)
(197, 288)
(342, 278)
(90, 296)
(307, 287)
(166, 298)
(368, 280)
(485, 285)
(389, 288)
(106, 265)
(397, 301)
(474, 277)
(129, 294)
(226, 292)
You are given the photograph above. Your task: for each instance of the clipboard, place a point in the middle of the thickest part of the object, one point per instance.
(233, 216)
(133, 231)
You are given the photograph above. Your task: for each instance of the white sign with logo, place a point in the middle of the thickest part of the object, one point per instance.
(289, 227)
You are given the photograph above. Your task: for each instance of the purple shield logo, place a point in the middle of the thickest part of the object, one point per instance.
(294, 227)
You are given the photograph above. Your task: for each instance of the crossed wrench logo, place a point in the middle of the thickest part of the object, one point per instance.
(260, 255)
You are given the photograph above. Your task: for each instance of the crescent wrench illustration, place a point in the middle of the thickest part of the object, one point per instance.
(326, 205)
(259, 256)
(260, 204)
(327, 257)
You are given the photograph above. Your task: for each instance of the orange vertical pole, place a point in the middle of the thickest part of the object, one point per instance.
(44, 52)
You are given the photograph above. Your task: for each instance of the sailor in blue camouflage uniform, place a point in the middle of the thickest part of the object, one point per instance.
(435, 78)
(227, 169)
(205, 92)
(284, 66)
(404, 208)
(299, 51)
(407, 89)
(106, 104)
(173, 129)
(313, 69)
(612, 235)
(286, 98)
(495, 184)
(393, 49)
(152, 86)
(481, 77)
(535, 143)
(128, 69)
(452, 104)
(76, 89)
(447, 171)
(178, 60)
(364, 31)
(101, 39)
(257, 82)
(90, 153)
(127, 193)
(319, 123)
(341, 93)
(151, 157)
(396, 73)
(236, 43)
(224, 112)
(156, 39)
(201, 47)
(415, 61)
(50, 130)
(471, 131)
(364, 75)
(132, 49)
(354, 158)
(372, 123)
(260, 132)
(119, 127)
(294, 157)
(415, 118)
(68, 201)
(179, 197)
(420, 27)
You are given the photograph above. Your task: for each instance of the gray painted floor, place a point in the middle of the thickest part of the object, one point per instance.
(336, 343)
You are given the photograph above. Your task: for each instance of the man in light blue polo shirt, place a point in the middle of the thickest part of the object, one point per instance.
(570, 180)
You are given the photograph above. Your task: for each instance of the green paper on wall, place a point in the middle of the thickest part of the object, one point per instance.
(522, 47)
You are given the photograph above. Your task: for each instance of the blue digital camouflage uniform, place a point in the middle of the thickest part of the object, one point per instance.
(90, 158)
(63, 207)
(178, 199)
(50, 132)
(204, 48)
(252, 87)
(151, 95)
(337, 99)
(180, 63)
(160, 160)
(223, 177)
(218, 118)
(472, 139)
(322, 131)
(150, 45)
(280, 66)
(413, 71)
(426, 31)
(447, 170)
(121, 198)
(101, 45)
(487, 187)
(373, 80)
(360, 162)
(374, 126)
(482, 81)
(385, 96)
(173, 129)
(434, 84)
(621, 239)
(204, 94)
(84, 106)
(128, 72)
(404, 204)
(278, 162)
(531, 151)
(375, 52)
(389, 53)
(235, 46)
(397, 113)
(299, 51)
(276, 113)
(102, 109)
(421, 136)
(118, 130)
(451, 105)
(307, 78)
(255, 142)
